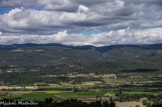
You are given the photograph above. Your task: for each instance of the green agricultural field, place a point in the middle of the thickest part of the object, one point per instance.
(3, 95)
(82, 94)
(38, 96)
(56, 95)
(139, 93)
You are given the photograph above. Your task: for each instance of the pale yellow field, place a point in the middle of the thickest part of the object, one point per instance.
(4, 87)
(54, 85)
(91, 83)
(18, 87)
(129, 104)
(31, 87)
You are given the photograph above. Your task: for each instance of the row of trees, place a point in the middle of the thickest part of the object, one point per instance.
(48, 102)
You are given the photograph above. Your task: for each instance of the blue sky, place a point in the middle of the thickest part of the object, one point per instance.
(7, 10)
(4, 10)
(90, 32)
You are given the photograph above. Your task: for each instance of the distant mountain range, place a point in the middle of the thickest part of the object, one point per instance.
(43, 54)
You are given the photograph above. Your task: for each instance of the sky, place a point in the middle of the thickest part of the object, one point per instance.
(81, 22)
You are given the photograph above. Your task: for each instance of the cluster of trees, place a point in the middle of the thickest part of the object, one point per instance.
(133, 97)
(155, 103)
(77, 103)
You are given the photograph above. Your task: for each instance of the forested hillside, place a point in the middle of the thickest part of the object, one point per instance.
(31, 62)
(54, 54)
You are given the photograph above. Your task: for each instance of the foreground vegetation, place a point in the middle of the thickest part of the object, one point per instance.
(48, 102)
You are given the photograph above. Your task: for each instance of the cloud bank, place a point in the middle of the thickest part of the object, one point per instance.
(125, 36)
(42, 21)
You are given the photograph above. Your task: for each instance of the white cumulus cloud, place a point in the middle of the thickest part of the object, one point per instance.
(124, 36)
